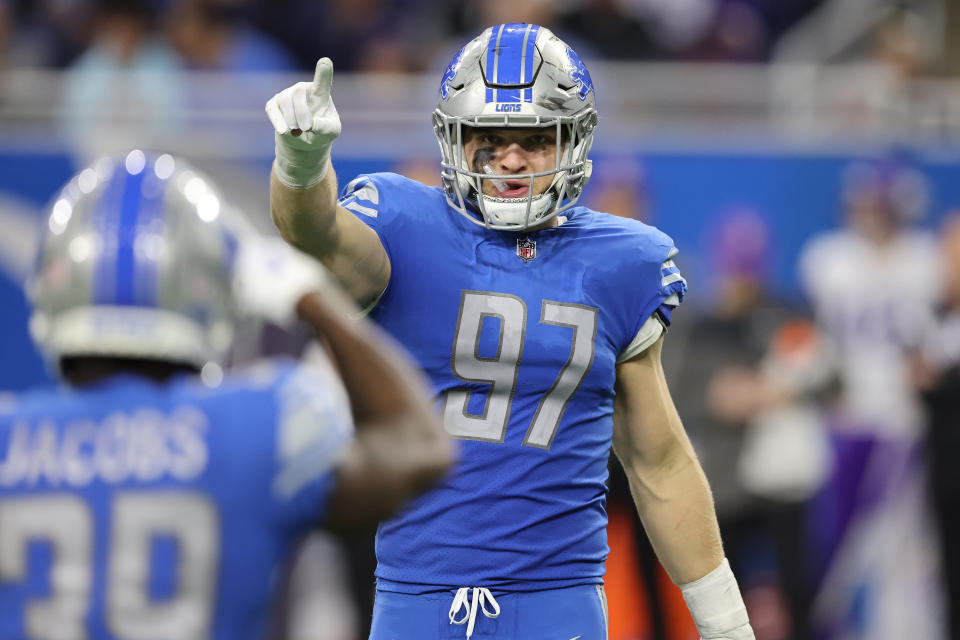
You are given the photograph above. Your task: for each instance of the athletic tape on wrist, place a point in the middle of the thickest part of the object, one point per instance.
(715, 602)
(300, 168)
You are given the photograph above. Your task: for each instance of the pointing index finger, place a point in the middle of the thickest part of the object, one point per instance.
(322, 78)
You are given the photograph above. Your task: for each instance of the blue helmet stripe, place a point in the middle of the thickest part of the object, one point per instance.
(510, 57)
(146, 270)
(529, 54)
(126, 237)
(509, 54)
(510, 60)
(491, 69)
(103, 222)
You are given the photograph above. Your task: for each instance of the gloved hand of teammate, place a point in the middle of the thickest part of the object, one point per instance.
(270, 277)
(306, 123)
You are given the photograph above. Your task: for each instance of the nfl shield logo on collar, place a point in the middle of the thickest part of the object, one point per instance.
(526, 249)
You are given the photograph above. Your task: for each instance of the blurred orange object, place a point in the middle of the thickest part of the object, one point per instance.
(627, 592)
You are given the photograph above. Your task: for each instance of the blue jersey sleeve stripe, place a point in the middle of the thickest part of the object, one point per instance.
(664, 311)
(673, 277)
(361, 196)
(356, 198)
(678, 288)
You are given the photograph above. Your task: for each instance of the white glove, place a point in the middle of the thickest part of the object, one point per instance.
(306, 123)
(270, 277)
(717, 608)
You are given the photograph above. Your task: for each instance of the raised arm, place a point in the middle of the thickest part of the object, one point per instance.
(399, 447)
(303, 189)
(673, 498)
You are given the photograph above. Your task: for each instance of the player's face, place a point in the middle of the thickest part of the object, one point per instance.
(509, 151)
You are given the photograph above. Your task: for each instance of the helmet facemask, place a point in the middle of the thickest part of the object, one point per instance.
(464, 185)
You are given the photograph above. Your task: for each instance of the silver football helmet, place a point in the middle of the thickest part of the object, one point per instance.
(516, 75)
(135, 262)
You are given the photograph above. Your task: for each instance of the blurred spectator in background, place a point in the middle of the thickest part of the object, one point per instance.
(734, 407)
(49, 32)
(850, 30)
(619, 186)
(938, 378)
(126, 88)
(951, 56)
(361, 35)
(410, 35)
(872, 286)
(211, 35)
(6, 25)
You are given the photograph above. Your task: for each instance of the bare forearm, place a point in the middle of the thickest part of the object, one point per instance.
(677, 511)
(400, 448)
(379, 379)
(306, 218)
(668, 485)
(310, 220)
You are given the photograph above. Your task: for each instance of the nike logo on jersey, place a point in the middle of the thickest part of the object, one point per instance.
(576, 637)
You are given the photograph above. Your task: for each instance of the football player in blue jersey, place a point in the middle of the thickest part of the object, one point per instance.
(143, 501)
(539, 323)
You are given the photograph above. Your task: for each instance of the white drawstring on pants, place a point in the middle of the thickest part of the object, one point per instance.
(481, 596)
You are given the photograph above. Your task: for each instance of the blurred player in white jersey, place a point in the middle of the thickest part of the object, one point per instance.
(141, 501)
(539, 323)
(873, 286)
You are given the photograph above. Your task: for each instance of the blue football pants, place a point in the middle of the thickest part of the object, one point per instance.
(555, 614)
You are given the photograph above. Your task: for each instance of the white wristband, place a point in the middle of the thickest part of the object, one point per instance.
(300, 168)
(716, 605)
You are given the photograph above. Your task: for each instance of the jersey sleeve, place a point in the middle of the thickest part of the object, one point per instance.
(314, 429)
(361, 197)
(373, 199)
(655, 305)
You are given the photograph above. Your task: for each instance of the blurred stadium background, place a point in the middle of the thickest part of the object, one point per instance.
(746, 129)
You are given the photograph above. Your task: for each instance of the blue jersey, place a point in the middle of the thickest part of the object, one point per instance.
(520, 335)
(133, 509)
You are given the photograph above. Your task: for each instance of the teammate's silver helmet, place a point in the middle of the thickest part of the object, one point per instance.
(516, 75)
(136, 263)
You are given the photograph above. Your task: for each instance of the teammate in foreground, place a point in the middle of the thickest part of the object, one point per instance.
(142, 503)
(540, 325)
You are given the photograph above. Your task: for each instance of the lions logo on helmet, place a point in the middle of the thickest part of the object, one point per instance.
(579, 74)
(515, 75)
(449, 74)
